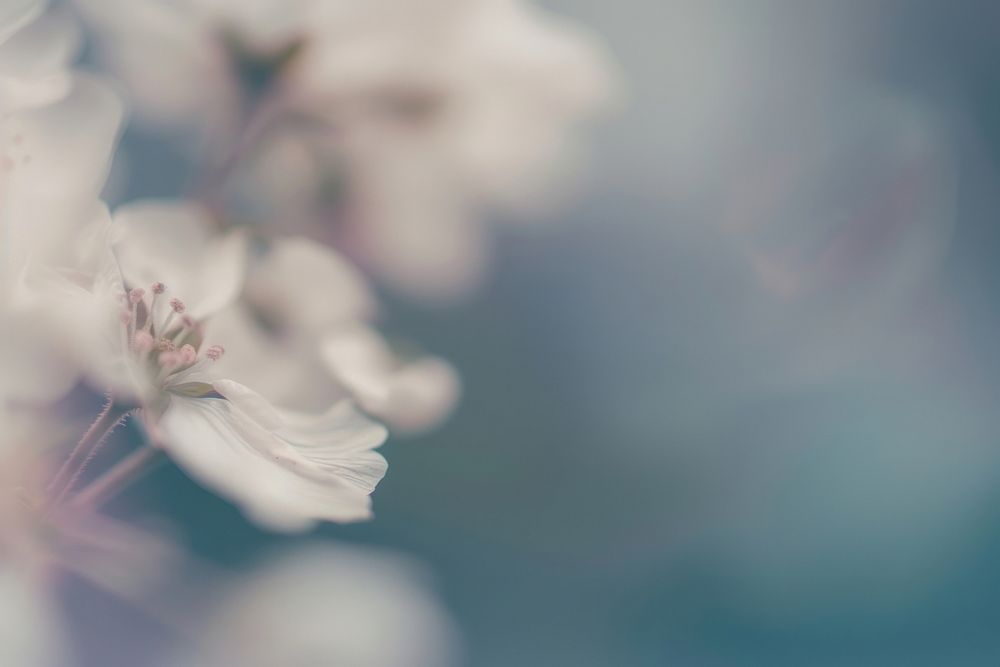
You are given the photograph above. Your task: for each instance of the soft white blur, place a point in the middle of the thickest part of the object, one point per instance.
(327, 605)
(396, 129)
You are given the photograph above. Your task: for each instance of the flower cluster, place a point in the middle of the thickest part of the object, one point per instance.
(234, 324)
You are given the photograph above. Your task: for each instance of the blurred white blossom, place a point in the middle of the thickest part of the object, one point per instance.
(393, 126)
(286, 469)
(285, 335)
(411, 394)
(328, 605)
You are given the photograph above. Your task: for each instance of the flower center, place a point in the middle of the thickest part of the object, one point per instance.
(162, 336)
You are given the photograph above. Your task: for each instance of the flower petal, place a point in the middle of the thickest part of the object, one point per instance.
(167, 57)
(285, 370)
(44, 47)
(412, 396)
(308, 287)
(318, 470)
(174, 243)
(64, 147)
(250, 403)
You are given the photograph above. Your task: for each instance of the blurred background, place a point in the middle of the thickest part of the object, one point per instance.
(736, 404)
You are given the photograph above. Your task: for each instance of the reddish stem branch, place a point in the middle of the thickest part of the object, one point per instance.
(91, 454)
(118, 477)
(93, 435)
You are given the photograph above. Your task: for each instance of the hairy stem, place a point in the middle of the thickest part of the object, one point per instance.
(96, 434)
(91, 454)
(117, 478)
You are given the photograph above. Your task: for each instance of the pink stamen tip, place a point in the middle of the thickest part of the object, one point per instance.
(188, 354)
(215, 352)
(177, 305)
(135, 295)
(159, 288)
(143, 342)
(164, 345)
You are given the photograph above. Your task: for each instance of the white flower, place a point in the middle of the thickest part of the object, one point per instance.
(297, 332)
(415, 117)
(326, 605)
(286, 469)
(442, 108)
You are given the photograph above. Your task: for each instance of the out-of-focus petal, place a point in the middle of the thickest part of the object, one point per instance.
(44, 47)
(329, 605)
(308, 287)
(36, 366)
(287, 372)
(419, 237)
(174, 243)
(411, 396)
(169, 60)
(74, 312)
(64, 147)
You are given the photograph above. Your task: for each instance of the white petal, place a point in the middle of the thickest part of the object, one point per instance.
(64, 147)
(250, 403)
(306, 286)
(175, 243)
(285, 369)
(53, 231)
(411, 396)
(288, 479)
(167, 56)
(341, 439)
(36, 366)
(76, 313)
(424, 393)
(44, 47)
(418, 230)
